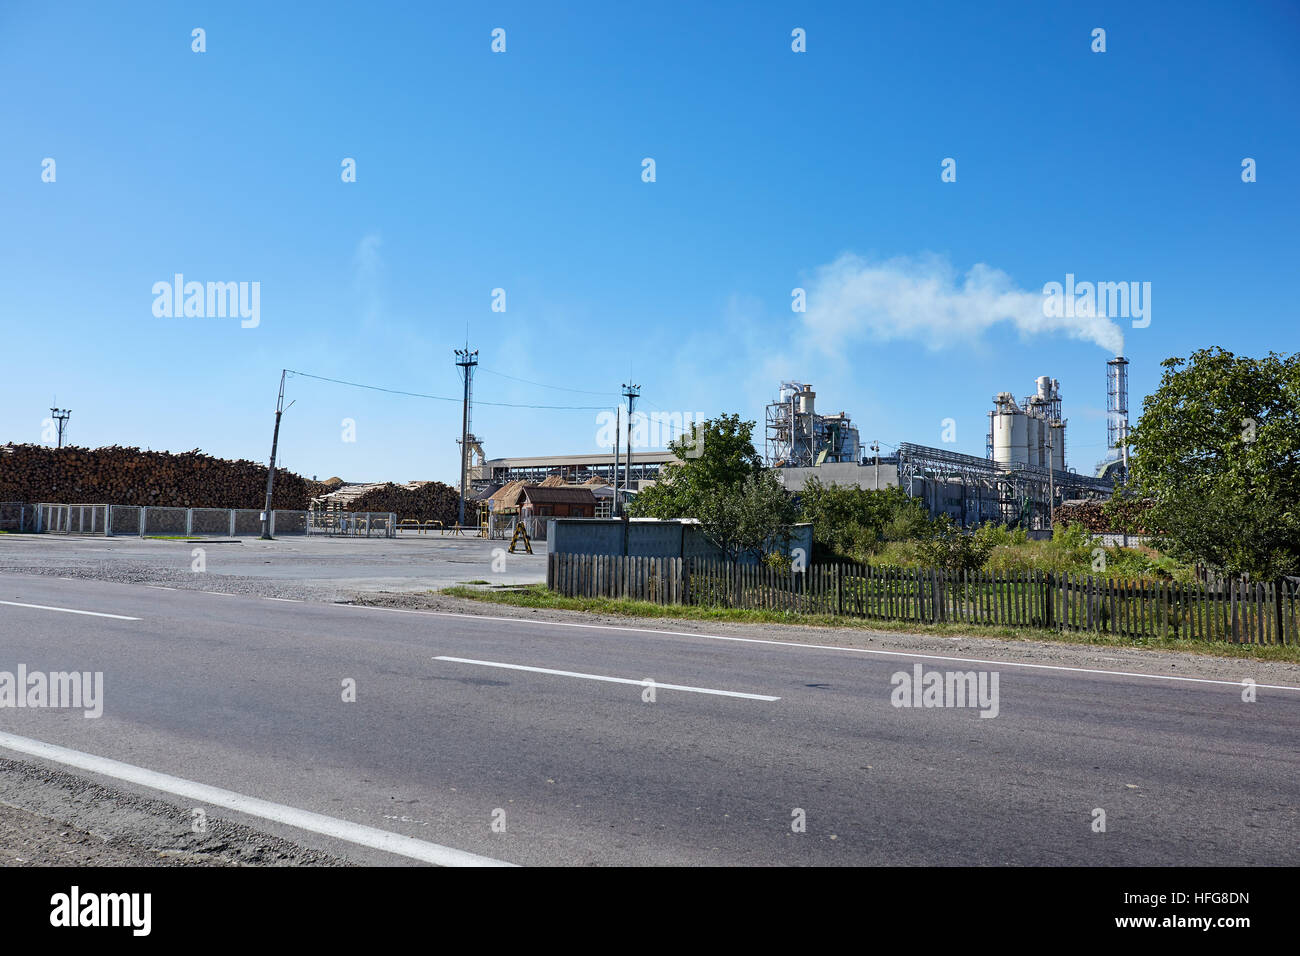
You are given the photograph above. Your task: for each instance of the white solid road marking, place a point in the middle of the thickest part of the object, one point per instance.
(356, 833)
(159, 587)
(219, 593)
(68, 610)
(285, 600)
(612, 680)
(831, 647)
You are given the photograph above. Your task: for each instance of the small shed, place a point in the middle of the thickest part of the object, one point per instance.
(557, 502)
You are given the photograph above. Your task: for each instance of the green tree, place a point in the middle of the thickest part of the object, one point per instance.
(1217, 453)
(742, 508)
(752, 519)
(849, 522)
(717, 458)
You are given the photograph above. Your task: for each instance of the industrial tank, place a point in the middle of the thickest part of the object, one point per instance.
(1010, 445)
(1058, 449)
(1033, 439)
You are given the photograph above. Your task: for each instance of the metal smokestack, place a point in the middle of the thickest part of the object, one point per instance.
(1117, 408)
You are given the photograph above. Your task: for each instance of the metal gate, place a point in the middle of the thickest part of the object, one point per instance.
(72, 519)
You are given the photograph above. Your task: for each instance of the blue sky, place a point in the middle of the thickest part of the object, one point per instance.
(522, 170)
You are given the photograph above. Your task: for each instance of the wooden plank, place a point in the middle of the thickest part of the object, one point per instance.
(1110, 603)
(1232, 598)
(1258, 589)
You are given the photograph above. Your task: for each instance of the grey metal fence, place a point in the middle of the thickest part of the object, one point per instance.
(362, 524)
(209, 521)
(72, 519)
(166, 521)
(57, 518)
(16, 516)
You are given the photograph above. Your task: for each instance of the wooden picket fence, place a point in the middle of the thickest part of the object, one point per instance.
(1236, 611)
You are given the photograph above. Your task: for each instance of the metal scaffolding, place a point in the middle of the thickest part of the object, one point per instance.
(983, 491)
(796, 435)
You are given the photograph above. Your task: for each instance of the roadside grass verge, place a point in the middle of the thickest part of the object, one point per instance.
(537, 596)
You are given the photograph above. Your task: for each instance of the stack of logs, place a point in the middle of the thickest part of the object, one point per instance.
(431, 501)
(129, 476)
(1101, 516)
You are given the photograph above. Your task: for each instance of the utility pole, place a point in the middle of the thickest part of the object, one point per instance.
(875, 446)
(1051, 473)
(61, 415)
(465, 360)
(631, 393)
(618, 447)
(270, 472)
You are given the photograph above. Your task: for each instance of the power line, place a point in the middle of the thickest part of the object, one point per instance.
(444, 398)
(558, 388)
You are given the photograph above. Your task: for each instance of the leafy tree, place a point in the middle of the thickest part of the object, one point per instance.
(753, 519)
(850, 522)
(1217, 452)
(726, 457)
(742, 508)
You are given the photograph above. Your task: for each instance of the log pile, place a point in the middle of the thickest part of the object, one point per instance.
(118, 475)
(1102, 516)
(431, 501)
(316, 489)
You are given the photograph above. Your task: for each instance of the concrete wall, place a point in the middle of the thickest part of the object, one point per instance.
(843, 473)
(656, 539)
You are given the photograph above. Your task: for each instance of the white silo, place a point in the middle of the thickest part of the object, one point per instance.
(807, 399)
(1058, 448)
(1010, 444)
(1033, 439)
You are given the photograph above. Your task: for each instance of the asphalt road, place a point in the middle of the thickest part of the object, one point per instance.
(330, 567)
(245, 694)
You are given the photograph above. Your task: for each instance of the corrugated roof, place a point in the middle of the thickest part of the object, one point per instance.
(569, 495)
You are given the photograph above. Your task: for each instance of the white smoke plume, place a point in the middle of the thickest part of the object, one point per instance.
(924, 300)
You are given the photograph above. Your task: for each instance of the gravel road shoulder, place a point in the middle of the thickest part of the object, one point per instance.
(49, 817)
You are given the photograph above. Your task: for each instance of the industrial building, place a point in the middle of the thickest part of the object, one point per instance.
(1032, 433)
(799, 437)
(574, 469)
(1024, 470)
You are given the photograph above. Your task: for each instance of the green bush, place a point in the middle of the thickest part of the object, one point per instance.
(953, 550)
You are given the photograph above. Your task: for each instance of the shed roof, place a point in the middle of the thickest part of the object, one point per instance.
(560, 496)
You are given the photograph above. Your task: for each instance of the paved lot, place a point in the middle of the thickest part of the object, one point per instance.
(328, 568)
(545, 727)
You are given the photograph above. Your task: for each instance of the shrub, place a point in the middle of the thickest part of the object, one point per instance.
(953, 550)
